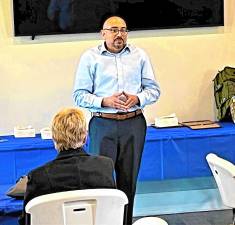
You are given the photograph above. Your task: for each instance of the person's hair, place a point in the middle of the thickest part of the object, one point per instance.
(69, 129)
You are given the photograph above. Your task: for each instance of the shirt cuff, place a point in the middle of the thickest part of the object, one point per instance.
(97, 102)
(141, 99)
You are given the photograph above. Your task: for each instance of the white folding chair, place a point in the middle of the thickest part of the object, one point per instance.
(150, 221)
(79, 207)
(224, 174)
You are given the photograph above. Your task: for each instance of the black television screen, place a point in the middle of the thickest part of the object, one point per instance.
(41, 17)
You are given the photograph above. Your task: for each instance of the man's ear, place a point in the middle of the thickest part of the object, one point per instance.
(102, 33)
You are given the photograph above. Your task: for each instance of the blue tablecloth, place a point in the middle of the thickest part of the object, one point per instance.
(180, 152)
(20, 155)
(168, 153)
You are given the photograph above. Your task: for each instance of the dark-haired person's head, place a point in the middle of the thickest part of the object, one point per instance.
(114, 33)
(69, 129)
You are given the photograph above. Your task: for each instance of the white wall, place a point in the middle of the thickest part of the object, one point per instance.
(36, 77)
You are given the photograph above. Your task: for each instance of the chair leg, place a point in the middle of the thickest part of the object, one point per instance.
(233, 216)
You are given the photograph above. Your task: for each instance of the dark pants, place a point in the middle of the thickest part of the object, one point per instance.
(123, 141)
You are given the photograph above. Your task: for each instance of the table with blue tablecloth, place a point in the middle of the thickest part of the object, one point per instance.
(169, 153)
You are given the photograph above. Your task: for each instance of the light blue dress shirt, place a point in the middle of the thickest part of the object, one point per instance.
(101, 73)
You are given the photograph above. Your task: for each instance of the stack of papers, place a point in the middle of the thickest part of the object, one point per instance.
(46, 133)
(167, 121)
(24, 131)
(201, 124)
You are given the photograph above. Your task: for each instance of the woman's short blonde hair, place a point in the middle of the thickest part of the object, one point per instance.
(69, 129)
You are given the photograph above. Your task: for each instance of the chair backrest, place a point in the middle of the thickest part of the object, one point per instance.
(80, 207)
(224, 174)
(150, 221)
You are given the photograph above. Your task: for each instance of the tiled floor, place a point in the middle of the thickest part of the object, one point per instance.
(177, 196)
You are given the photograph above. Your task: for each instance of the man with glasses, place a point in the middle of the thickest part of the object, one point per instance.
(115, 80)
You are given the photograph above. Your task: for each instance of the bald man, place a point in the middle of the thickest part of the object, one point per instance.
(115, 81)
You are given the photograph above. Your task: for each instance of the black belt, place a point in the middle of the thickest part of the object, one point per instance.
(118, 116)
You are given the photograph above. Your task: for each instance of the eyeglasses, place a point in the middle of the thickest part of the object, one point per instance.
(116, 30)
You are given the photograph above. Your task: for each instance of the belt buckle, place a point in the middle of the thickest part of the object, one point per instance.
(98, 114)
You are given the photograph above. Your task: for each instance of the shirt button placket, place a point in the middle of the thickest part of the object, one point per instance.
(119, 73)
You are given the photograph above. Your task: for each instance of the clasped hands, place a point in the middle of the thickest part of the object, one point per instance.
(122, 101)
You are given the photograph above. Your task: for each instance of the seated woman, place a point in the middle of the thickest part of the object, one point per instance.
(73, 168)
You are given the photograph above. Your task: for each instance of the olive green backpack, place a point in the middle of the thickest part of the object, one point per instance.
(224, 90)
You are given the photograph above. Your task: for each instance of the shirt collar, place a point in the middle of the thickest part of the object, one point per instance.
(71, 152)
(103, 50)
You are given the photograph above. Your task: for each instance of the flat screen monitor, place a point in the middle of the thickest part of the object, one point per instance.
(43, 17)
